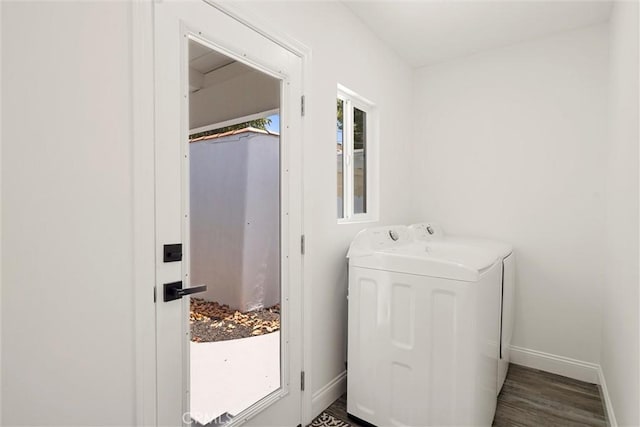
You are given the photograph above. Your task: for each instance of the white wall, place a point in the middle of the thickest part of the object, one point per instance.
(261, 272)
(234, 219)
(67, 294)
(217, 232)
(620, 355)
(345, 52)
(510, 144)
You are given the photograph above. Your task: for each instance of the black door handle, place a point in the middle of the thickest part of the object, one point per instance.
(174, 290)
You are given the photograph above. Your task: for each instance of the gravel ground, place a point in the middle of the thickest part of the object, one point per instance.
(211, 321)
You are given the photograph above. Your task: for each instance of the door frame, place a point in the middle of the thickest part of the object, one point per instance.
(143, 188)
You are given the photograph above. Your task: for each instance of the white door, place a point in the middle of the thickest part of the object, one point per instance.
(175, 25)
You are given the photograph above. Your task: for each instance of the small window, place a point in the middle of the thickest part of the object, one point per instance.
(354, 153)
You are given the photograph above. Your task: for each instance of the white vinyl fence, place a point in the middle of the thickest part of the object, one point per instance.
(235, 219)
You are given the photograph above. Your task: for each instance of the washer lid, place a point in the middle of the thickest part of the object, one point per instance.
(431, 231)
(435, 259)
(502, 249)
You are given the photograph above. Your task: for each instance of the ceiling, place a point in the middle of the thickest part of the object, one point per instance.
(204, 59)
(425, 32)
(207, 66)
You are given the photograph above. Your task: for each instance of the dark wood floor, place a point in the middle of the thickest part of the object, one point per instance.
(532, 398)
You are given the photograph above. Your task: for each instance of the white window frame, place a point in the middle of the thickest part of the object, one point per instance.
(351, 100)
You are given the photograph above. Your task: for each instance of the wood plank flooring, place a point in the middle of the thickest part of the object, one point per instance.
(532, 398)
(535, 398)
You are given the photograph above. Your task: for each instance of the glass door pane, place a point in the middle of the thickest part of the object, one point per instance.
(234, 190)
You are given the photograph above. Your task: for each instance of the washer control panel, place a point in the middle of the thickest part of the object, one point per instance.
(375, 239)
(426, 231)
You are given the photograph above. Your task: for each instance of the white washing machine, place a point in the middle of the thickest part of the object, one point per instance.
(430, 232)
(422, 342)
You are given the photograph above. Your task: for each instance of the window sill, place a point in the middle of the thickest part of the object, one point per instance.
(358, 220)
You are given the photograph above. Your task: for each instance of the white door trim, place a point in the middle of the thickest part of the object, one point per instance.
(144, 234)
(143, 173)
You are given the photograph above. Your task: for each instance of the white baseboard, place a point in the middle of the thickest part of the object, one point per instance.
(606, 399)
(560, 365)
(567, 367)
(323, 398)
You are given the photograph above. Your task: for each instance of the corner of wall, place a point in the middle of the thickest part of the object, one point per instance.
(329, 393)
(620, 349)
(1, 7)
(606, 399)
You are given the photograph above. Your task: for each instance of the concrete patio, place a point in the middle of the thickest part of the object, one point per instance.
(229, 376)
